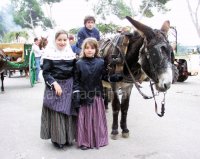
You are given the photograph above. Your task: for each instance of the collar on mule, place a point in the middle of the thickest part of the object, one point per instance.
(119, 47)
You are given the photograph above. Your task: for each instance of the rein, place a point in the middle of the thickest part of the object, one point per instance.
(138, 88)
(162, 103)
(134, 81)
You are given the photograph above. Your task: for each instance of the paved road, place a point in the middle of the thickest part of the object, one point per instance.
(175, 136)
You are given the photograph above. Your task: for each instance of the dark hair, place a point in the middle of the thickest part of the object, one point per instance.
(88, 18)
(35, 39)
(60, 32)
(93, 43)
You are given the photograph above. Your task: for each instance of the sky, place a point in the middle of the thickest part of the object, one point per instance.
(70, 14)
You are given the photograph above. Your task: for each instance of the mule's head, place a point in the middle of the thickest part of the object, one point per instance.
(43, 43)
(155, 54)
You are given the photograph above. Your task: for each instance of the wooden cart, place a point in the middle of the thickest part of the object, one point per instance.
(20, 57)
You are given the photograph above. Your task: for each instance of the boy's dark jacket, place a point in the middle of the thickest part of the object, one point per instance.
(83, 34)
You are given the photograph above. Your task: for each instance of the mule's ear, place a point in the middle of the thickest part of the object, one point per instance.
(165, 27)
(146, 30)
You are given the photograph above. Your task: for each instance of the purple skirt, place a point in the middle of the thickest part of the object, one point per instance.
(61, 103)
(92, 128)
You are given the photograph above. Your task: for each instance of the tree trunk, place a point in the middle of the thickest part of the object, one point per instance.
(194, 16)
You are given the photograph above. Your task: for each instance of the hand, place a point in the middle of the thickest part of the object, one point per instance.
(58, 89)
(115, 78)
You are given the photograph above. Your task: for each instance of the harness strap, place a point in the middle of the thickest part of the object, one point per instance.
(104, 45)
(117, 62)
(152, 90)
(162, 103)
(134, 81)
(116, 59)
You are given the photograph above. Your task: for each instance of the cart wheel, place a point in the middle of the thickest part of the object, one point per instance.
(182, 78)
(183, 72)
(32, 69)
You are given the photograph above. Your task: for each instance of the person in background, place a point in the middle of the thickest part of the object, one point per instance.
(57, 119)
(72, 43)
(38, 53)
(89, 30)
(88, 97)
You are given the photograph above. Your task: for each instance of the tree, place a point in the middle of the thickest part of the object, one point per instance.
(104, 8)
(14, 35)
(103, 28)
(6, 21)
(48, 5)
(147, 6)
(74, 30)
(2, 28)
(29, 14)
(194, 14)
(107, 28)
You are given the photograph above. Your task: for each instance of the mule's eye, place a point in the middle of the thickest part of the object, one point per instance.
(163, 49)
(166, 52)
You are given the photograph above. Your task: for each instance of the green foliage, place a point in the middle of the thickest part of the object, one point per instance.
(50, 1)
(29, 14)
(107, 28)
(49, 4)
(121, 9)
(2, 29)
(74, 31)
(11, 36)
(6, 20)
(149, 5)
(46, 22)
(103, 28)
(105, 8)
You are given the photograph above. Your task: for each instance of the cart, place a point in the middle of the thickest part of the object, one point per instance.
(20, 57)
(185, 65)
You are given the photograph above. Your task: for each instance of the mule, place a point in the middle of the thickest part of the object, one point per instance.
(43, 43)
(2, 67)
(145, 52)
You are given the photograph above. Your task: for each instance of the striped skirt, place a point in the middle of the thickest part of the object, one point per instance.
(61, 103)
(58, 127)
(92, 125)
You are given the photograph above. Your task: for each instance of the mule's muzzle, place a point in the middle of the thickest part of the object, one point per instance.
(167, 86)
(163, 87)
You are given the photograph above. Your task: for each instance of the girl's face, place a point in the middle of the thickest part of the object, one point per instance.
(61, 41)
(89, 51)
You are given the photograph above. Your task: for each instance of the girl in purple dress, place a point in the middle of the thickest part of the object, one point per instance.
(88, 100)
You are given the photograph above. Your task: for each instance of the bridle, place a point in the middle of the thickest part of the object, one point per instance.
(149, 51)
(123, 54)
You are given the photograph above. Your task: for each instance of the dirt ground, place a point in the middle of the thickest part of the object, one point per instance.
(175, 136)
